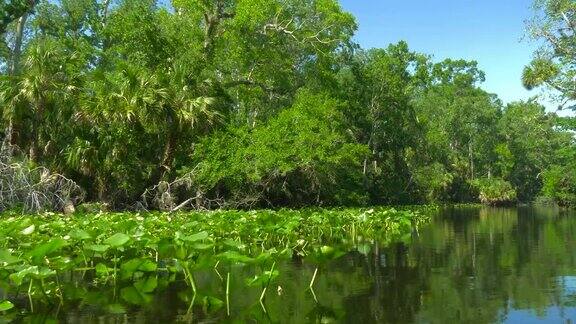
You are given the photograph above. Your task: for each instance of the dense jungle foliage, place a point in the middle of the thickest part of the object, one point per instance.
(245, 103)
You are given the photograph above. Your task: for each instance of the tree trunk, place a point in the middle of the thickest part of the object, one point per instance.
(35, 152)
(15, 63)
(471, 158)
(101, 189)
(168, 155)
(105, 8)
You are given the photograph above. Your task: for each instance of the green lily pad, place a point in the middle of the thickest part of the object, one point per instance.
(6, 305)
(117, 240)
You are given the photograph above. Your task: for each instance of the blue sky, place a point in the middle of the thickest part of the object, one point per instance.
(491, 32)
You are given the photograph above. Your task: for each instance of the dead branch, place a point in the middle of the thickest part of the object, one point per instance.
(34, 189)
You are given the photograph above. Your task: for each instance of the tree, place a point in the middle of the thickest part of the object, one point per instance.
(532, 139)
(378, 84)
(14, 10)
(459, 122)
(303, 156)
(553, 65)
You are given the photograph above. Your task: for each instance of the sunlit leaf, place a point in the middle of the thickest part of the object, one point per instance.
(117, 240)
(5, 305)
(29, 230)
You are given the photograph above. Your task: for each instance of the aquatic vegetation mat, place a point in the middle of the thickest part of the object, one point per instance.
(114, 262)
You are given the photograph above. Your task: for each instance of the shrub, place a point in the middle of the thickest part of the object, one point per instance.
(559, 184)
(495, 191)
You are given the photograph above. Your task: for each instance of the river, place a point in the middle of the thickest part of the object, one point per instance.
(468, 265)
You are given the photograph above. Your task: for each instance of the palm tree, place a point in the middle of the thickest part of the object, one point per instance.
(169, 104)
(41, 81)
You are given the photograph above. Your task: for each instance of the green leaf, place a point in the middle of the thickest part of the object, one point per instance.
(47, 248)
(6, 305)
(29, 230)
(7, 259)
(202, 246)
(233, 256)
(98, 248)
(116, 309)
(102, 269)
(327, 250)
(234, 244)
(196, 237)
(117, 240)
(133, 296)
(211, 304)
(147, 285)
(263, 278)
(19, 276)
(80, 235)
(138, 264)
(364, 249)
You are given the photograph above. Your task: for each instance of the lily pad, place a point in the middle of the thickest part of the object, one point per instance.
(6, 305)
(117, 240)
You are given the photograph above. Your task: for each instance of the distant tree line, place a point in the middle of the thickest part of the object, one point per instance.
(268, 103)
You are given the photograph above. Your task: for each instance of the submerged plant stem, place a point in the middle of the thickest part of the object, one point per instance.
(313, 279)
(30, 295)
(268, 283)
(228, 293)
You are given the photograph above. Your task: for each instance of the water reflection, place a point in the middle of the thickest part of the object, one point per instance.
(484, 265)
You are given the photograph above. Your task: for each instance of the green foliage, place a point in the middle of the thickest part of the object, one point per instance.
(459, 123)
(245, 103)
(136, 255)
(378, 85)
(559, 180)
(11, 10)
(303, 155)
(433, 181)
(495, 191)
(532, 140)
(560, 185)
(553, 64)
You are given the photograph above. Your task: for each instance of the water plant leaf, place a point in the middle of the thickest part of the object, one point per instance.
(5, 305)
(263, 278)
(102, 269)
(234, 244)
(233, 256)
(211, 304)
(6, 258)
(47, 248)
(117, 240)
(202, 246)
(116, 309)
(18, 277)
(327, 250)
(133, 296)
(29, 230)
(80, 235)
(98, 248)
(364, 249)
(147, 285)
(195, 237)
(138, 264)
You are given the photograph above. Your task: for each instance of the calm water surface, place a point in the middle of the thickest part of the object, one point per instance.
(469, 265)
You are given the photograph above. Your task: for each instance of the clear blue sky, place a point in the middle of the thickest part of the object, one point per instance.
(488, 31)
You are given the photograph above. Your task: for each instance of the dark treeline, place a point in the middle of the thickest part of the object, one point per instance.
(264, 103)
